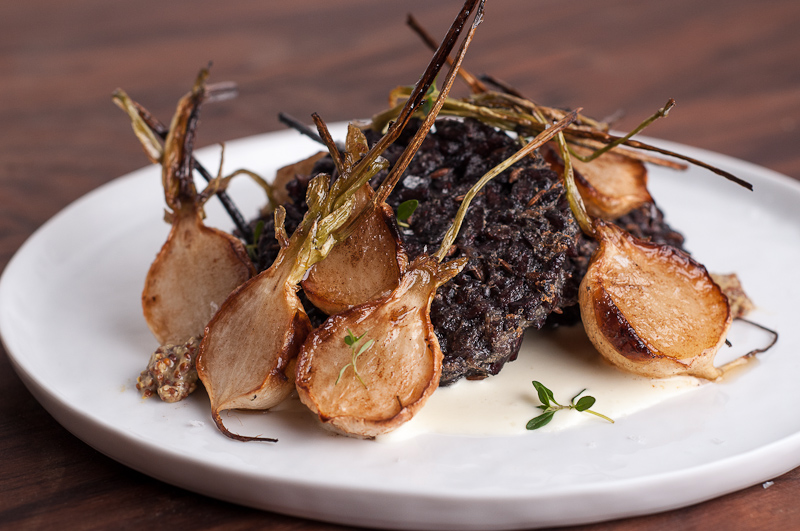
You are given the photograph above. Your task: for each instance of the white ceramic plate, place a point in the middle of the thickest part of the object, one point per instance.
(71, 321)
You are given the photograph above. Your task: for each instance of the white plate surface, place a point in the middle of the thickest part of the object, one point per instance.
(71, 321)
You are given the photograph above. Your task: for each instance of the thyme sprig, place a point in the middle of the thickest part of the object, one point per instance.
(351, 340)
(550, 407)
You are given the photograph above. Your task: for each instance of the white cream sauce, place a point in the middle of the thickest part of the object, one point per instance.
(563, 360)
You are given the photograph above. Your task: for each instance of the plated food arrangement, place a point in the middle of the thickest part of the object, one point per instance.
(423, 248)
(89, 303)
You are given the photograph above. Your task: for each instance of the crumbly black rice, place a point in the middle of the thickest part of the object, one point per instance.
(526, 253)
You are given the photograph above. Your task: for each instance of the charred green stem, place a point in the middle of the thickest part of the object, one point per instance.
(300, 127)
(574, 198)
(605, 137)
(661, 113)
(327, 140)
(157, 128)
(414, 102)
(595, 130)
(417, 97)
(475, 84)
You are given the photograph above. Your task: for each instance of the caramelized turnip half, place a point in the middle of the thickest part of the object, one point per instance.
(365, 392)
(195, 271)
(362, 267)
(246, 358)
(610, 185)
(198, 266)
(651, 309)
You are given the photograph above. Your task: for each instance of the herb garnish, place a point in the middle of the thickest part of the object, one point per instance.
(550, 406)
(404, 211)
(352, 340)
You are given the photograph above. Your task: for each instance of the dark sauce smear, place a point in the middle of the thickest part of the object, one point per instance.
(526, 253)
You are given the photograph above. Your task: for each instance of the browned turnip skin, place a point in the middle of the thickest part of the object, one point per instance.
(617, 330)
(400, 370)
(651, 309)
(192, 275)
(246, 358)
(611, 185)
(366, 265)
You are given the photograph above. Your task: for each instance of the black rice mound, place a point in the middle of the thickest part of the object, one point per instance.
(526, 253)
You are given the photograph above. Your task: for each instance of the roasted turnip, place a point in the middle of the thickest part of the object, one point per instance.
(648, 308)
(367, 264)
(611, 185)
(246, 359)
(651, 309)
(198, 266)
(371, 392)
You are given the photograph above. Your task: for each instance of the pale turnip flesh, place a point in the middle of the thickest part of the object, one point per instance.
(651, 309)
(195, 271)
(386, 384)
(246, 358)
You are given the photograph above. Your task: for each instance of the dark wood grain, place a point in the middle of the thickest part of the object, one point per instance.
(733, 66)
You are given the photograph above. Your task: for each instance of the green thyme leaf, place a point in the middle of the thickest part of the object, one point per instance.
(549, 406)
(585, 403)
(341, 372)
(406, 208)
(541, 420)
(544, 393)
(350, 338)
(364, 347)
(574, 398)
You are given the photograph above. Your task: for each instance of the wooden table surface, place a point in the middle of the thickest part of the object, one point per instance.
(733, 66)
